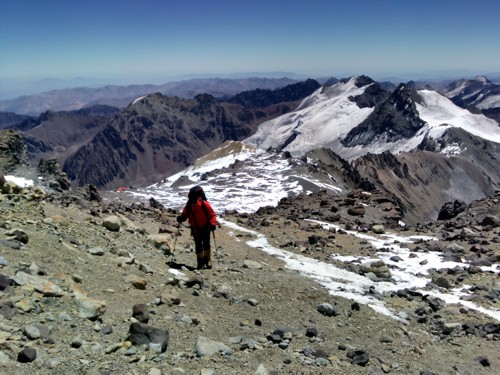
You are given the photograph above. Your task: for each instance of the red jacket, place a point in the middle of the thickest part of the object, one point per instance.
(200, 215)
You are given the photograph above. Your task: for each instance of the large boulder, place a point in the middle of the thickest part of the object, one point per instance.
(451, 210)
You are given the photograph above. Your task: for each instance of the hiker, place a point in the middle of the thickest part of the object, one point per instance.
(202, 220)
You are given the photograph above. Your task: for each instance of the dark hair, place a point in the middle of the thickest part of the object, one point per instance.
(195, 193)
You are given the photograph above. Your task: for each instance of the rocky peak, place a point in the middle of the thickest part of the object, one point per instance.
(485, 81)
(394, 119)
(363, 81)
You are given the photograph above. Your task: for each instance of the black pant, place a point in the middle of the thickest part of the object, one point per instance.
(201, 241)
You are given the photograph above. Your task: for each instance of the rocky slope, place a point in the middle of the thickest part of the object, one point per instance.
(88, 285)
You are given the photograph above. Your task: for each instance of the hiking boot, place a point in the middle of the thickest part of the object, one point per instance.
(200, 260)
(208, 260)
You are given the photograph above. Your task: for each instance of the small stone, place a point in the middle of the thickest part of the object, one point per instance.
(140, 312)
(359, 357)
(112, 348)
(27, 355)
(250, 264)
(137, 282)
(107, 330)
(451, 327)
(327, 309)
(77, 342)
(18, 235)
(386, 339)
(311, 332)
(253, 302)
(386, 369)
(284, 344)
(170, 297)
(96, 251)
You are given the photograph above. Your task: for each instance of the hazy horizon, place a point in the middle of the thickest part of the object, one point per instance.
(49, 44)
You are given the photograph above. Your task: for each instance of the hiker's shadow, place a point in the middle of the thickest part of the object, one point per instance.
(177, 265)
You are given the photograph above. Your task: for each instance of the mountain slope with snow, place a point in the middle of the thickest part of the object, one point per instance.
(479, 92)
(331, 117)
(321, 119)
(240, 177)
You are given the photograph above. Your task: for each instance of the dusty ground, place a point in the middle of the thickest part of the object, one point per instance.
(236, 303)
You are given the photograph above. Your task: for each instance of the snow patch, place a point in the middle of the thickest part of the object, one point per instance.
(20, 181)
(408, 273)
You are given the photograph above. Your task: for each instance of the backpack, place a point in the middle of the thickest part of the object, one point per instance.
(196, 192)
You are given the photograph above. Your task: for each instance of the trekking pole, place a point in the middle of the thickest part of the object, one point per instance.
(215, 242)
(172, 256)
(215, 246)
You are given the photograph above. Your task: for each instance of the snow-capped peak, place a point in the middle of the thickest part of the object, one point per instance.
(440, 114)
(321, 118)
(483, 80)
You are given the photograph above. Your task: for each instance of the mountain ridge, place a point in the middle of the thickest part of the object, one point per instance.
(121, 96)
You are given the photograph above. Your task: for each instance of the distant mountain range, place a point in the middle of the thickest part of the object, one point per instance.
(121, 96)
(409, 140)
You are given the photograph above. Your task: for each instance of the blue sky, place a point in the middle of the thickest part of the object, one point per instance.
(152, 41)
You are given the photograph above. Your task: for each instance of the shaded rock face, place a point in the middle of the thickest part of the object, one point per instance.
(9, 119)
(373, 95)
(153, 137)
(408, 177)
(55, 135)
(396, 118)
(265, 98)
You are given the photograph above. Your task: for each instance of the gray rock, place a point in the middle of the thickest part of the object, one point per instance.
(90, 308)
(252, 265)
(140, 312)
(451, 327)
(252, 302)
(145, 268)
(96, 251)
(112, 223)
(155, 338)
(18, 235)
(26, 355)
(207, 347)
(327, 309)
(77, 342)
(442, 282)
(40, 284)
(10, 244)
(359, 357)
(261, 370)
(4, 358)
(36, 331)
